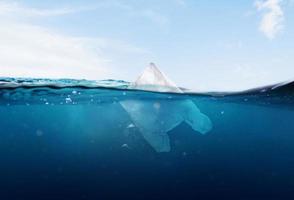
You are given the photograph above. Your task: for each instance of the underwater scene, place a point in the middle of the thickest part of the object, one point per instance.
(78, 139)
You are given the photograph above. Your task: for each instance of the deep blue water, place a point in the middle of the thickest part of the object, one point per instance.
(71, 139)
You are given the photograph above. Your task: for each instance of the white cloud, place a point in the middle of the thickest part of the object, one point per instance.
(31, 51)
(28, 50)
(17, 9)
(272, 19)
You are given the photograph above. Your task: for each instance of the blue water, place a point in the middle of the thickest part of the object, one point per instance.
(71, 139)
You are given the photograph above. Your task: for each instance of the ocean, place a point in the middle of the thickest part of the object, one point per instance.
(72, 139)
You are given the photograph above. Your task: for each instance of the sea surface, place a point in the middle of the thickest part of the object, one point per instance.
(72, 139)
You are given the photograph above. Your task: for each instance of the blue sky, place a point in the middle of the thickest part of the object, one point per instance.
(200, 44)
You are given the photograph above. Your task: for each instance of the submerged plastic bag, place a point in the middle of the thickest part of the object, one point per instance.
(154, 118)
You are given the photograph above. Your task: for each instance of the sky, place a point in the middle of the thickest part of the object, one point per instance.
(223, 45)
